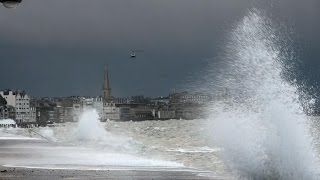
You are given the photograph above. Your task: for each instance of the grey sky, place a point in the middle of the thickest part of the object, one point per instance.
(59, 48)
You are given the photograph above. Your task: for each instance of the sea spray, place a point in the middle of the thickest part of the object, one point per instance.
(45, 133)
(89, 126)
(260, 124)
(91, 131)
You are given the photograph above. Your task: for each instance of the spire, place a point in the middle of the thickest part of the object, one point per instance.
(106, 90)
(106, 78)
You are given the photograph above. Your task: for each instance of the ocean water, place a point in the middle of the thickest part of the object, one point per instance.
(170, 144)
(90, 144)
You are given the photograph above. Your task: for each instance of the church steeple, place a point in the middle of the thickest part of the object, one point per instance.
(106, 90)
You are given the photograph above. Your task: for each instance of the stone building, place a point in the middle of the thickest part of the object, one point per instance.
(192, 98)
(76, 111)
(165, 114)
(20, 100)
(23, 111)
(111, 111)
(64, 114)
(45, 110)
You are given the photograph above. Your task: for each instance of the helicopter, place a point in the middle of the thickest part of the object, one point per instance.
(133, 53)
(10, 3)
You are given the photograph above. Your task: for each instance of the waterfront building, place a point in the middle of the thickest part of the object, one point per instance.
(33, 115)
(60, 114)
(124, 113)
(165, 114)
(160, 101)
(140, 112)
(122, 100)
(111, 111)
(64, 109)
(23, 111)
(193, 98)
(53, 116)
(140, 100)
(86, 102)
(189, 105)
(10, 97)
(76, 111)
(45, 111)
(20, 100)
(68, 114)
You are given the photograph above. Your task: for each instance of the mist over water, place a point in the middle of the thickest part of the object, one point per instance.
(260, 123)
(91, 131)
(89, 126)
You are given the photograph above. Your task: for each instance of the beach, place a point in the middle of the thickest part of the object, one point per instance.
(128, 151)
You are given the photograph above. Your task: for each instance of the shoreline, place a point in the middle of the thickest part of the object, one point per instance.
(112, 173)
(16, 155)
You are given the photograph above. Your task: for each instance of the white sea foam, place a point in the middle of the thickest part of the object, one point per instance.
(89, 126)
(86, 158)
(92, 147)
(7, 121)
(195, 150)
(260, 124)
(47, 133)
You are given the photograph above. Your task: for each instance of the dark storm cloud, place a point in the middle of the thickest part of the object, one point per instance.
(113, 22)
(59, 47)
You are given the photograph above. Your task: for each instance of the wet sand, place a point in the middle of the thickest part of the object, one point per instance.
(25, 173)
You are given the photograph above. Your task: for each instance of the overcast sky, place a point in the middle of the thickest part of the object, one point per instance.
(60, 47)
